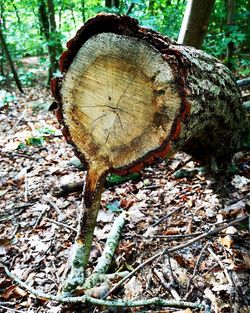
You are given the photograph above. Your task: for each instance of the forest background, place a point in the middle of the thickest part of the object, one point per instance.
(36, 32)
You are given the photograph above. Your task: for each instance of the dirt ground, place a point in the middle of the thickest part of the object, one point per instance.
(168, 204)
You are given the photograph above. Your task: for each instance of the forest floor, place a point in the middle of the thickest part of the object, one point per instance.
(166, 208)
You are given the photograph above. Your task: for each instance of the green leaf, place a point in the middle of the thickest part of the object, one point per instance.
(114, 206)
(45, 131)
(114, 179)
(21, 146)
(35, 141)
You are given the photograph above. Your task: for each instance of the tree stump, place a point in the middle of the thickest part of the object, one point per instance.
(129, 96)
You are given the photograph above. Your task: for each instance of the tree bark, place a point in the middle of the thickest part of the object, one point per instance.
(112, 3)
(48, 26)
(195, 22)
(129, 97)
(83, 10)
(248, 24)
(9, 58)
(230, 45)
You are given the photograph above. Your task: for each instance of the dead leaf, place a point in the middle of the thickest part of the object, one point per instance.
(105, 216)
(133, 288)
(231, 230)
(184, 311)
(180, 260)
(100, 291)
(172, 231)
(13, 292)
(127, 203)
(11, 146)
(226, 241)
(151, 231)
(240, 181)
(135, 214)
(246, 258)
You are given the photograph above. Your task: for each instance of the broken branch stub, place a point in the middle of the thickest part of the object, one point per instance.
(129, 96)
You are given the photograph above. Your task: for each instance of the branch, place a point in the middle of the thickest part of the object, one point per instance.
(179, 247)
(243, 82)
(108, 253)
(109, 303)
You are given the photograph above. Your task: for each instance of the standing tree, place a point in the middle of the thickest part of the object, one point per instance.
(229, 24)
(8, 57)
(112, 3)
(48, 27)
(195, 22)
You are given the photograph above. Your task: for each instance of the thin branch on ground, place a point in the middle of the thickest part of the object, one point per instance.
(167, 237)
(179, 247)
(61, 216)
(167, 216)
(196, 268)
(172, 279)
(41, 215)
(106, 258)
(217, 259)
(15, 125)
(11, 309)
(167, 286)
(60, 224)
(109, 303)
(26, 187)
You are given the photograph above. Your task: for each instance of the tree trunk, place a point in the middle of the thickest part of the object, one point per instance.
(83, 11)
(129, 97)
(3, 27)
(195, 22)
(248, 25)
(48, 26)
(112, 3)
(11, 63)
(230, 45)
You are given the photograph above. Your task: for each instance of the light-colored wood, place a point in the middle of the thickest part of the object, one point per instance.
(119, 100)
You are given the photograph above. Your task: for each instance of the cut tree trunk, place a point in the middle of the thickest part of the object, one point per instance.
(129, 97)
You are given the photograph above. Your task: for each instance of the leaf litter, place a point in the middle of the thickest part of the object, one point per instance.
(168, 204)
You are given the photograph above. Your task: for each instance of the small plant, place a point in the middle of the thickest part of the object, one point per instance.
(6, 98)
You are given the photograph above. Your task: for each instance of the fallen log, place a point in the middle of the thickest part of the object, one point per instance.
(129, 97)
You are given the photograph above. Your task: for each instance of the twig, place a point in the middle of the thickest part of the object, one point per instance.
(166, 216)
(179, 247)
(109, 303)
(217, 259)
(17, 122)
(196, 268)
(66, 189)
(172, 279)
(41, 215)
(60, 224)
(61, 216)
(26, 187)
(167, 237)
(10, 309)
(167, 286)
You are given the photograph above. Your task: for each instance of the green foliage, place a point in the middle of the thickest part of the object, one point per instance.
(219, 34)
(114, 179)
(114, 206)
(45, 131)
(5, 98)
(25, 37)
(35, 141)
